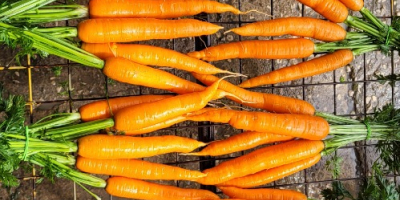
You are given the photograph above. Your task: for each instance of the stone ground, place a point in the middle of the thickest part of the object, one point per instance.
(351, 90)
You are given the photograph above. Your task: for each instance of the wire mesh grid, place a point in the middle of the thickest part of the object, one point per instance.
(350, 91)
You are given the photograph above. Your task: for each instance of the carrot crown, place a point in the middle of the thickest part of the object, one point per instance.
(18, 145)
(47, 43)
(383, 126)
(7, 11)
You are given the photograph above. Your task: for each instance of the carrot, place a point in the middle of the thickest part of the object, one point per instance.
(261, 49)
(125, 147)
(161, 125)
(138, 29)
(137, 189)
(262, 159)
(263, 194)
(294, 125)
(239, 142)
(355, 5)
(297, 26)
(138, 169)
(269, 102)
(148, 114)
(160, 9)
(326, 63)
(270, 175)
(151, 55)
(333, 10)
(126, 71)
(101, 109)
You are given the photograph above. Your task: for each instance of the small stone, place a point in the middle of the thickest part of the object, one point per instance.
(339, 97)
(59, 89)
(229, 38)
(16, 73)
(374, 99)
(351, 93)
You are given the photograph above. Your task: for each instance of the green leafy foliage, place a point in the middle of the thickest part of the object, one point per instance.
(338, 192)
(21, 41)
(389, 149)
(56, 70)
(390, 154)
(333, 165)
(378, 187)
(396, 23)
(387, 115)
(13, 109)
(9, 162)
(389, 78)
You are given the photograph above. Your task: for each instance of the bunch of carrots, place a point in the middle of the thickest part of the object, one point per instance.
(294, 124)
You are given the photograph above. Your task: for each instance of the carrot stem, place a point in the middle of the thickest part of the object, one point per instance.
(36, 145)
(345, 130)
(372, 18)
(67, 172)
(52, 45)
(48, 14)
(336, 119)
(59, 32)
(379, 33)
(63, 159)
(7, 10)
(56, 121)
(78, 130)
(355, 35)
(364, 50)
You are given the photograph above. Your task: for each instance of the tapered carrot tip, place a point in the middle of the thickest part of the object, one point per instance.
(193, 154)
(250, 11)
(197, 54)
(245, 85)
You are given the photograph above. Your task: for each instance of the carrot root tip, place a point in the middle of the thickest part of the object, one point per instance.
(226, 32)
(256, 11)
(192, 154)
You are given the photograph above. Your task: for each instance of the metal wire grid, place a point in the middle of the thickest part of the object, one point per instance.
(207, 131)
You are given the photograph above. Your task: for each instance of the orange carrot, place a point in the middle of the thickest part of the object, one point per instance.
(164, 124)
(138, 169)
(298, 26)
(269, 102)
(261, 49)
(101, 109)
(138, 29)
(152, 55)
(262, 159)
(126, 71)
(239, 142)
(147, 114)
(160, 9)
(126, 147)
(270, 175)
(263, 194)
(326, 63)
(355, 5)
(333, 10)
(293, 125)
(137, 189)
